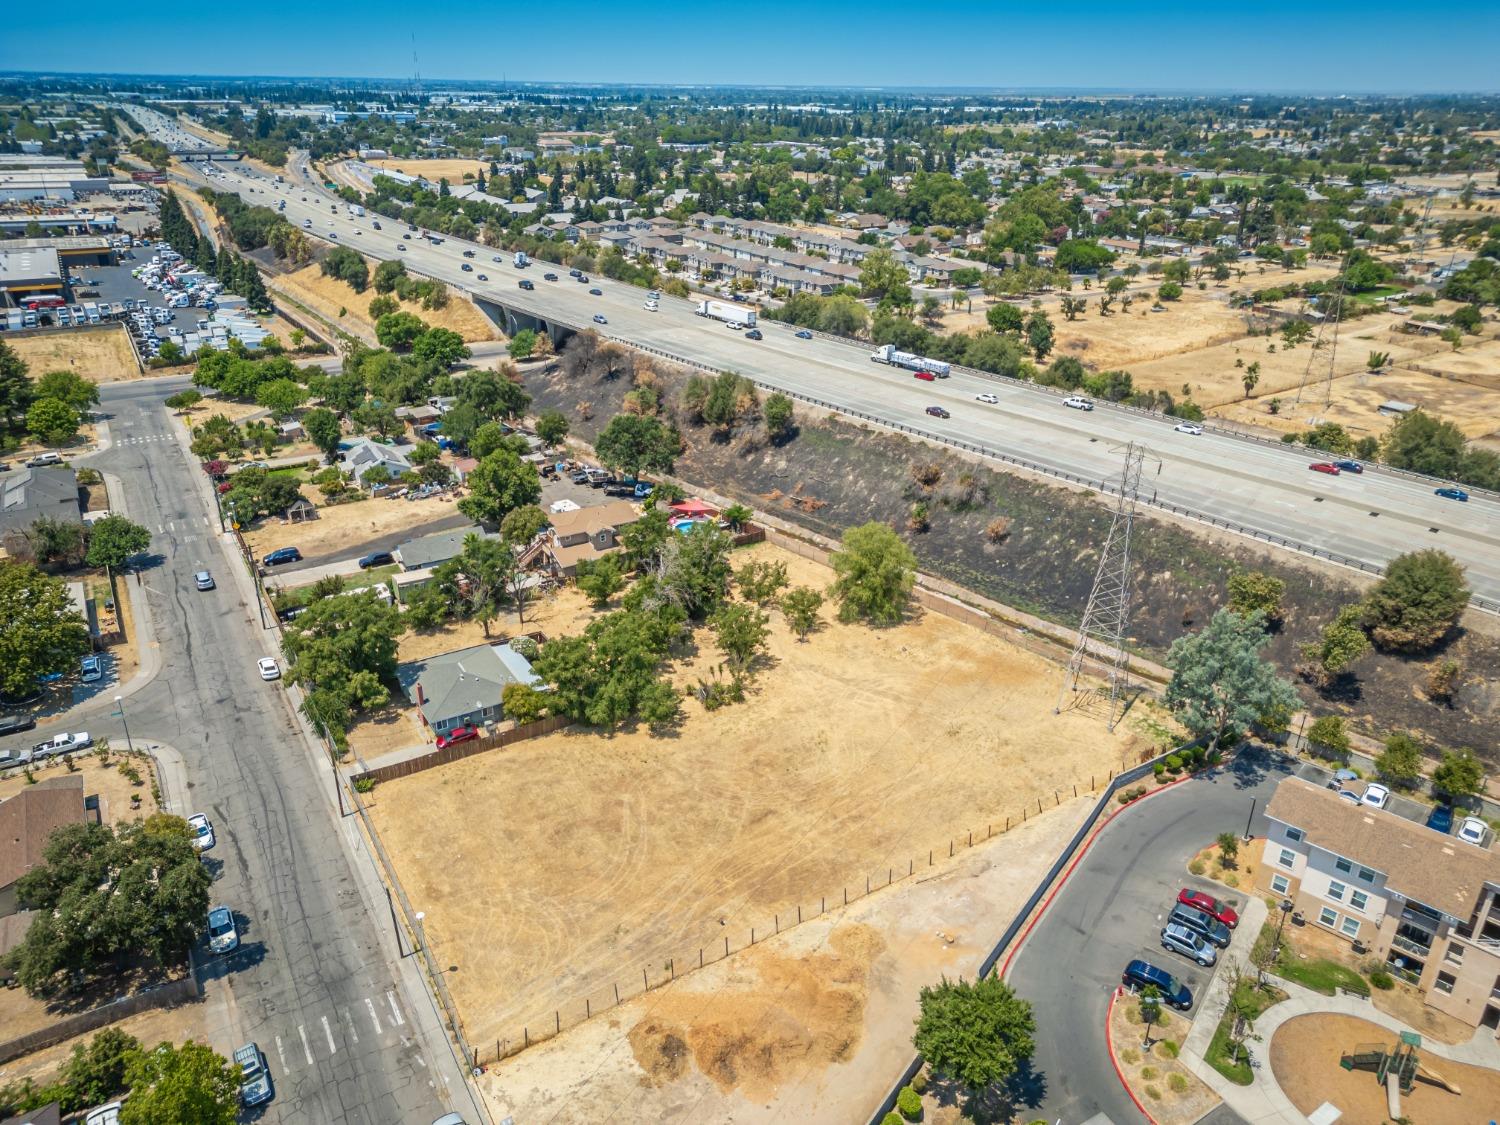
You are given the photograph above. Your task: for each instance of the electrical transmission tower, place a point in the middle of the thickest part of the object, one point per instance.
(1101, 635)
(1333, 350)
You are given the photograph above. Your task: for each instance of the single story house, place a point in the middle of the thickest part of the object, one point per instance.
(27, 820)
(27, 495)
(363, 454)
(588, 533)
(431, 551)
(463, 687)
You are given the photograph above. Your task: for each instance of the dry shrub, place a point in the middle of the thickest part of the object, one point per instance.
(997, 529)
(584, 409)
(1442, 680)
(928, 475)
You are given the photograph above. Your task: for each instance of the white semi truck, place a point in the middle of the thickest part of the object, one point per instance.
(356, 211)
(889, 353)
(729, 314)
(522, 261)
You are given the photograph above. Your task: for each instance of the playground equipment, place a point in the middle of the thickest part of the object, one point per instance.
(1396, 1068)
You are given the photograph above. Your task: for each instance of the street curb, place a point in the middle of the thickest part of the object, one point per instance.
(1109, 1041)
(1077, 859)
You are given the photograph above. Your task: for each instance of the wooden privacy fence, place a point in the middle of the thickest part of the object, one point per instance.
(671, 964)
(158, 996)
(463, 750)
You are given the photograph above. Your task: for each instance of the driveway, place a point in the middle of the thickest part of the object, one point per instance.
(1111, 910)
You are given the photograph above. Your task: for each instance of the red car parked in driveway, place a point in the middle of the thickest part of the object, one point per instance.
(925, 376)
(1325, 467)
(457, 734)
(1209, 905)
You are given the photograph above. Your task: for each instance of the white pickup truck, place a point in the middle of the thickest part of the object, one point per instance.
(62, 744)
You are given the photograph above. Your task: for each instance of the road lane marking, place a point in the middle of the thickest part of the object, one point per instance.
(306, 1050)
(373, 1017)
(333, 1048)
(395, 1011)
(281, 1054)
(353, 1031)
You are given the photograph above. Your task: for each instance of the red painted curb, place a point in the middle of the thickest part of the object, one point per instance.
(1077, 859)
(1109, 1041)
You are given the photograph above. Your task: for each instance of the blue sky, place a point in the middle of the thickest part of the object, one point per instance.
(1336, 46)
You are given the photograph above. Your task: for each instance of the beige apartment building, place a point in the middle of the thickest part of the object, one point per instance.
(1424, 904)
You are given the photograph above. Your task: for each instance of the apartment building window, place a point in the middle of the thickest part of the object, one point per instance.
(1336, 891)
(1350, 927)
(1445, 982)
(1359, 900)
(1296, 835)
(1455, 954)
(1328, 917)
(1280, 883)
(1287, 857)
(1344, 866)
(1366, 875)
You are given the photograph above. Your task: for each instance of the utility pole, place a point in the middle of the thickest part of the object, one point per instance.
(119, 712)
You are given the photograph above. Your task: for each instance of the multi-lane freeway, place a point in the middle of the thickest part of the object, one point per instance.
(1268, 488)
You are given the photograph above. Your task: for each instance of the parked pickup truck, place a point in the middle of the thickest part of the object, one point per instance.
(62, 744)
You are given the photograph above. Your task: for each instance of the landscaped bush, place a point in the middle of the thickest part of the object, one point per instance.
(1170, 1047)
(909, 1103)
(919, 1082)
(1178, 1082)
(1198, 867)
(892, 1118)
(1174, 763)
(524, 646)
(1382, 980)
(1149, 1072)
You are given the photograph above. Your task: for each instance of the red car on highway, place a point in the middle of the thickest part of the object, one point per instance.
(457, 734)
(1325, 467)
(925, 376)
(1209, 905)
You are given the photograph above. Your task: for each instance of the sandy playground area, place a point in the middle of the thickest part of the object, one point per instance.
(556, 869)
(1305, 1056)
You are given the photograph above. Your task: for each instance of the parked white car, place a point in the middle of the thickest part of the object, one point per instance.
(269, 669)
(1472, 830)
(203, 831)
(62, 744)
(1376, 796)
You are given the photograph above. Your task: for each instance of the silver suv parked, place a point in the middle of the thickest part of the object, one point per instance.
(1177, 938)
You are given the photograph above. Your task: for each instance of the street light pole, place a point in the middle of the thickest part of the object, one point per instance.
(120, 711)
(1286, 908)
(1249, 819)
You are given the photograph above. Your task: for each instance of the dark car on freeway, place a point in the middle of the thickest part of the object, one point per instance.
(938, 412)
(754, 334)
(1451, 494)
(1349, 466)
(549, 277)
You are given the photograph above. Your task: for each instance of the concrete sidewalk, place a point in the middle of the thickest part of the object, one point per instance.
(1264, 1100)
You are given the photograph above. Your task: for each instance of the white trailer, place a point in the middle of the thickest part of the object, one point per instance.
(356, 211)
(889, 353)
(729, 314)
(522, 261)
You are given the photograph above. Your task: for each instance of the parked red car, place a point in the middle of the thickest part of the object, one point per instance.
(1325, 467)
(1209, 905)
(457, 734)
(926, 376)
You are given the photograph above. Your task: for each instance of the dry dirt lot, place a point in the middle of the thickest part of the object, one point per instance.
(435, 170)
(343, 529)
(326, 295)
(1305, 1056)
(598, 856)
(102, 355)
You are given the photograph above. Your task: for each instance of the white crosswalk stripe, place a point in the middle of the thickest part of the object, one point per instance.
(385, 1033)
(395, 1011)
(306, 1050)
(373, 1017)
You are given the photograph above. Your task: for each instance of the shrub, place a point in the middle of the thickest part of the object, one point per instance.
(1170, 1048)
(1328, 738)
(364, 784)
(892, 1118)
(1198, 867)
(909, 1104)
(1382, 980)
(1151, 1091)
(1149, 1072)
(919, 1082)
(1174, 763)
(1178, 1082)
(524, 646)
(997, 529)
(1231, 880)
(1130, 1055)
(1420, 598)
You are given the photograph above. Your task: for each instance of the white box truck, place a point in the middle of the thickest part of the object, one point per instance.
(356, 211)
(729, 314)
(889, 353)
(522, 261)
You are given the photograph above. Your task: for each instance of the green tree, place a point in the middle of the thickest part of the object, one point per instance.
(1254, 591)
(645, 539)
(1005, 318)
(399, 330)
(103, 894)
(523, 525)
(778, 415)
(68, 387)
(1329, 737)
(761, 582)
(633, 443)
(976, 1034)
(741, 631)
(348, 266)
(41, 634)
(800, 608)
(16, 390)
(1419, 600)
(1340, 643)
(322, 426)
(183, 401)
(171, 1085)
(884, 278)
(486, 566)
(1220, 684)
(552, 427)
(346, 646)
(281, 397)
(52, 421)
(601, 578)
(441, 346)
(1169, 291)
(56, 541)
(498, 485)
(1039, 335)
(494, 394)
(1459, 774)
(522, 344)
(1400, 763)
(112, 543)
(609, 673)
(875, 573)
(693, 573)
(522, 703)
(96, 1073)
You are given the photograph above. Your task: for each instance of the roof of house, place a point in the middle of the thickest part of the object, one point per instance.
(1418, 863)
(26, 495)
(617, 513)
(50, 1114)
(363, 454)
(437, 548)
(28, 818)
(471, 679)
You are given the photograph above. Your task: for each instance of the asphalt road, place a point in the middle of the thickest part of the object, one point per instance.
(311, 982)
(1110, 911)
(1371, 517)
